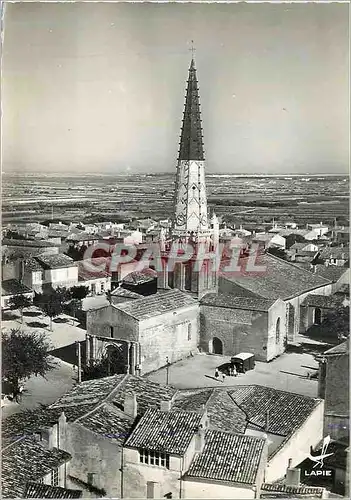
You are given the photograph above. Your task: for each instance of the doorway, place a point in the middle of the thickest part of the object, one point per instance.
(217, 346)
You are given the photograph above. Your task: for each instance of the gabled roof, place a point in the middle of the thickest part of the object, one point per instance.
(138, 277)
(323, 301)
(165, 431)
(191, 145)
(157, 304)
(37, 490)
(27, 460)
(56, 261)
(228, 457)
(233, 302)
(13, 287)
(281, 279)
(223, 413)
(286, 411)
(123, 292)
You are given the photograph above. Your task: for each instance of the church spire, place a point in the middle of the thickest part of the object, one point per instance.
(191, 145)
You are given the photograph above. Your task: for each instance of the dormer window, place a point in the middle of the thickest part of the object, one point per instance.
(150, 457)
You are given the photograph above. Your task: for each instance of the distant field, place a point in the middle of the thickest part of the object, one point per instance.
(238, 199)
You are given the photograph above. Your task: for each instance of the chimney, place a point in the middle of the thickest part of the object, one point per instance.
(130, 404)
(166, 405)
(292, 476)
(200, 439)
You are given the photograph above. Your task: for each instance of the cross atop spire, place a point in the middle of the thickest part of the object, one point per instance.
(192, 49)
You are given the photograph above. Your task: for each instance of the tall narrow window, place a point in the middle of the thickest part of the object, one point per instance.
(189, 331)
(54, 477)
(277, 331)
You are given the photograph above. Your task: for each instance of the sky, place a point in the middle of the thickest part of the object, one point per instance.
(99, 87)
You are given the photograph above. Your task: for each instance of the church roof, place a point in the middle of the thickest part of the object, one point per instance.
(191, 145)
(233, 302)
(156, 304)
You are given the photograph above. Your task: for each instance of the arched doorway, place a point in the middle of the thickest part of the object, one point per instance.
(277, 331)
(317, 316)
(115, 360)
(217, 346)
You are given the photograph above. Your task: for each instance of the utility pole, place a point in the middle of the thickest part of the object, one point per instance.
(167, 370)
(79, 354)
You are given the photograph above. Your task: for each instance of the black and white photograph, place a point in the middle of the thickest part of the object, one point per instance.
(175, 282)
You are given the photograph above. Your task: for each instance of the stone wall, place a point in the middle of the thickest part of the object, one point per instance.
(244, 331)
(336, 413)
(174, 335)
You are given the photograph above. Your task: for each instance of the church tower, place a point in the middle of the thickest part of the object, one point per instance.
(190, 204)
(190, 221)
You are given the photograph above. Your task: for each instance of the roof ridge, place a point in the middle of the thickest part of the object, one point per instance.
(277, 390)
(103, 401)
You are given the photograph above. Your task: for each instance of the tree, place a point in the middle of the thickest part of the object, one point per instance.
(294, 238)
(24, 355)
(77, 294)
(20, 302)
(50, 304)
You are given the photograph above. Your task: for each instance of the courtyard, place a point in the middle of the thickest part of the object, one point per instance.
(290, 372)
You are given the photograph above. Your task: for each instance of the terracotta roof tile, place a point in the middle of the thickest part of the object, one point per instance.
(343, 348)
(13, 287)
(228, 457)
(284, 491)
(27, 460)
(323, 301)
(286, 411)
(37, 490)
(168, 432)
(157, 304)
(281, 279)
(234, 302)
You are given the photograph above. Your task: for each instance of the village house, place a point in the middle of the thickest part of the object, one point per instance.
(274, 279)
(341, 235)
(303, 252)
(334, 256)
(268, 240)
(29, 465)
(13, 249)
(98, 282)
(12, 288)
(333, 387)
(231, 324)
(145, 333)
(45, 272)
(130, 437)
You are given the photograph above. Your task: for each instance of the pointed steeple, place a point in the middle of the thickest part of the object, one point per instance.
(191, 145)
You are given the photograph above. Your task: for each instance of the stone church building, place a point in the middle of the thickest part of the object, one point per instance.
(199, 306)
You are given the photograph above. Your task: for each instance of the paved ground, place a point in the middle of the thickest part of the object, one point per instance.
(287, 373)
(45, 391)
(64, 332)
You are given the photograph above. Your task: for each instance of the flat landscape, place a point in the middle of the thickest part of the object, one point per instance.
(240, 199)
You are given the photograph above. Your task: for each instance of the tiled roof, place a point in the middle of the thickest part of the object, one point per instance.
(343, 348)
(88, 394)
(157, 304)
(122, 292)
(331, 273)
(223, 413)
(27, 460)
(108, 421)
(148, 393)
(32, 264)
(28, 243)
(286, 411)
(37, 490)
(284, 491)
(228, 457)
(233, 302)
(165, 431)
(323, 301)
(13, 287)
(335, 253)
(281, 279)
(56, 261)
(138, 277)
